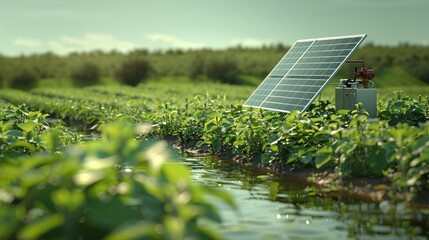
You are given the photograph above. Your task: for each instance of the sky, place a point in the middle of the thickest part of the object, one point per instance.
(64, 26)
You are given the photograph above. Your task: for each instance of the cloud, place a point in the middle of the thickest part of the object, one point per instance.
(252, 42)
(171, 41)
(25, 42)
(97, 41)
(67, 44)
(88, 42)
(424, 43)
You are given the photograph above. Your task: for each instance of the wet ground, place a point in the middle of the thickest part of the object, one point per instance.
(273, 207)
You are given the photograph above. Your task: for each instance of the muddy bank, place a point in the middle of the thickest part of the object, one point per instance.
(327, 182)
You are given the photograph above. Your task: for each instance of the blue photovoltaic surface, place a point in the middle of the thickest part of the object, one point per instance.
(303, 72)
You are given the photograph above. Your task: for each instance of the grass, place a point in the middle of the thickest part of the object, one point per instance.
(387, 81)
(396, 77)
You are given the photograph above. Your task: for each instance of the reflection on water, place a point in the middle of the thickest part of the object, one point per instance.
(271, 207)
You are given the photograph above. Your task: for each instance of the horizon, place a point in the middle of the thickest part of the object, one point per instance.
(185, 50)
(64, 27)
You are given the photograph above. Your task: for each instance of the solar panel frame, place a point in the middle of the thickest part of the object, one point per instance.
(293, 76)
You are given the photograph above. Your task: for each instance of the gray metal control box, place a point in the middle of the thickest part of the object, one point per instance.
(348, 97)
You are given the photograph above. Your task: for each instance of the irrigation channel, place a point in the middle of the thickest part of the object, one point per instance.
(282, 207)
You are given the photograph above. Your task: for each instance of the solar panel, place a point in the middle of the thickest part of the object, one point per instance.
(303, 72)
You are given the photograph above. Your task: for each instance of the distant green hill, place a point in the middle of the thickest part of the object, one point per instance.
(396, 77)
(395, 66)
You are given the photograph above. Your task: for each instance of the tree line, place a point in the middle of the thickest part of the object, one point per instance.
(226, 65)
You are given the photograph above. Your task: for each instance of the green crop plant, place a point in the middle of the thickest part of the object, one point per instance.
(24, 132)
(303, 137)
(117, 187)
(253, 129)
(361, 148)
(217, 131)
(212, 115)
(409, 156)
(168, 120)
(404, 109)
(195, 116)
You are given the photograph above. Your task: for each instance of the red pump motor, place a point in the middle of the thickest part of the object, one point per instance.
(365, 73)
(348, 94)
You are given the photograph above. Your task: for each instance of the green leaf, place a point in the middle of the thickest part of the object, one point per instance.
(24, 144)
(28, 126)
(15, 133)
(321, 136)
(322, 159)
(36, 229)
(397, 105)
(265, 157)
(210, 125)
(174, 227)
(275, 148)
(136, 230)
(112, 213)
(379, 162)
(301, 152)
(52, 139)
(324, 150)
(175, 172)
(419, 144)
(4, 126)
(11, 154)
(87, 177)
(305, 159)
(412, 181)
(66, 199)
(10, 220)
(343, 112)
(216, 144)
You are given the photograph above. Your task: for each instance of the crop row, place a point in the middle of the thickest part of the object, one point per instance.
(394, 145)
(51, 189)
(24, 132)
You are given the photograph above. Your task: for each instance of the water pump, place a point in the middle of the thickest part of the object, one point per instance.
(352, 91)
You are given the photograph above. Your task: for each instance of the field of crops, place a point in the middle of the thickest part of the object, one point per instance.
(206, 116)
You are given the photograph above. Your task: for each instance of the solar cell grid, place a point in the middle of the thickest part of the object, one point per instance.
(302, 73)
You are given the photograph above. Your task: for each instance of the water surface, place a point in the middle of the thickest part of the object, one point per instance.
(273, 207)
